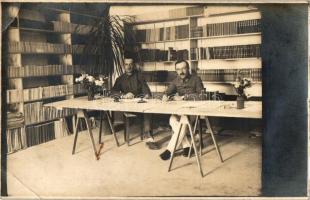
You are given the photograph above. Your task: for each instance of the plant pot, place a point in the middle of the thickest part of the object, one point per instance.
(240, 102)
(91, 95)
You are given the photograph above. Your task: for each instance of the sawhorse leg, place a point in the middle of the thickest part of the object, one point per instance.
(81, 114)
(213, 138)
(184, 121)
(110, 124)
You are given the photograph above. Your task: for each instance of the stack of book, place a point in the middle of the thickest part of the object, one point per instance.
(230, 75)
(40, 134)
(15, 120)
(14, 96)
(61, 129)
(232, 28)
(16, 139)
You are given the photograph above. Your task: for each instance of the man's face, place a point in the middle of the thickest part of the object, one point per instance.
(129, 66)
(182, 70)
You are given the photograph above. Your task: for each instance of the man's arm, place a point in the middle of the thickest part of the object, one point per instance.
(117, 87)
(144, 86)
(199, 85)
(172, 88)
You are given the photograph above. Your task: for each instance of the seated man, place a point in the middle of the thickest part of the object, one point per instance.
(131, 84)
(184, 84)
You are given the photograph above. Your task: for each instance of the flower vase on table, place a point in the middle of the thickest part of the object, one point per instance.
(90, 84)
(240, 102)
(90, 94)
(240, 84)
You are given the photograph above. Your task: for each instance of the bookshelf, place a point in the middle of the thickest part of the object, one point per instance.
(41, 52)
(217, 41)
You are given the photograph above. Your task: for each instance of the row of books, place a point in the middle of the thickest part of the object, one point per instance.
(15, 120)
(159, 76)
(53, 48)
(36, 113)
(16, 139)
(151, 55)
(14, 96)
(61, 129)
(65, 27)
(57, 26)
(44, 70)
(227, 28)
(40, 134)
(185, 12)
(163, 34)
(225, 52)
(230, 74)
(232, 28)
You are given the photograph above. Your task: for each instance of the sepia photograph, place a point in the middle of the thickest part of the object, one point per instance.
(154, 100)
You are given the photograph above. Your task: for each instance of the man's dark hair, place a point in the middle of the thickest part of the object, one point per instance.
(180, 61)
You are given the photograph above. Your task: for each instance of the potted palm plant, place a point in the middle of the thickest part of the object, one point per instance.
(107, 41)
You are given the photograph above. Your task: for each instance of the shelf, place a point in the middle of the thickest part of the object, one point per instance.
(35, 76)
(165, 20)
(228, 82)
(165, 41)
(160, 61)
(233, 13)
(230, 59)
(225, 36)
(47, 121)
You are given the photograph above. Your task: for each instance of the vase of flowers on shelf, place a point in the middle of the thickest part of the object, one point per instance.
(240, 84)
(90, 84)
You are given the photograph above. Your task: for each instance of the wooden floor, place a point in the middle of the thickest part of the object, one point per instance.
(50, 169)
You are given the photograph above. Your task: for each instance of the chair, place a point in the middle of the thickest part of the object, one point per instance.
(127, 118)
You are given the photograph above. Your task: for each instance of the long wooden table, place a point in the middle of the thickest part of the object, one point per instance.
(253, 109)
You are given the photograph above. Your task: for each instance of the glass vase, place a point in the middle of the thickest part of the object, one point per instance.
(90, 94)
(240, 102)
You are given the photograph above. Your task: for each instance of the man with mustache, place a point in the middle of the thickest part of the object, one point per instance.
(132, 84)
(185, 84)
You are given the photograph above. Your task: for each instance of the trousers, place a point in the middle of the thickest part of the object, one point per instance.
(175, 124)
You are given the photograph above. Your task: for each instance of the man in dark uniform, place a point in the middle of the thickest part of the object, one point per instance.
(184, 85)
(132, 84)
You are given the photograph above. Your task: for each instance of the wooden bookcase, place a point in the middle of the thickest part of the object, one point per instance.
(42, 62)
(225, 38)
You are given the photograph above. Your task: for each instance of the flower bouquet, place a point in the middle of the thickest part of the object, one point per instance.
(91, 84)
(240, 84)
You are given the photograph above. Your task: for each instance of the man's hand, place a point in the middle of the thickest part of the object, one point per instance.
(129, 95)
(165, 98)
